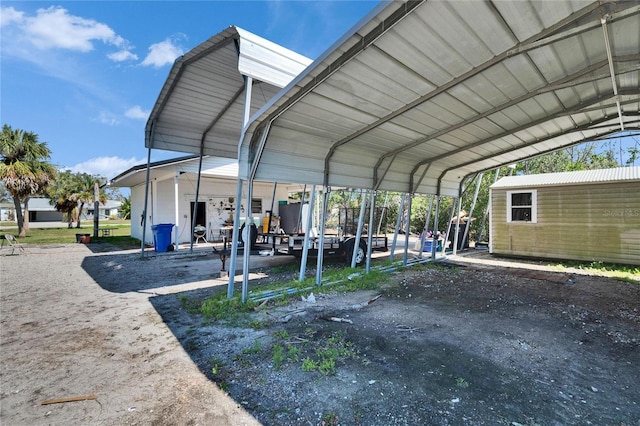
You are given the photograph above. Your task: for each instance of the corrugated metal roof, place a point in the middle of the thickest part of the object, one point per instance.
(580, 177)
(211, 166)
(202, 98)
(420, 95)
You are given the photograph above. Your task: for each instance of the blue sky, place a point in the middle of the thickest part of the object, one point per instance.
(84, 75)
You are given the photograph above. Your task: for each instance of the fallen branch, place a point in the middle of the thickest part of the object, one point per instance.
(406, 328)
(365, 304)
(336, 319)
(261, 305)
(69, 399)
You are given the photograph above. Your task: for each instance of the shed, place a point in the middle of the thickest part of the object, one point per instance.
(589, 215)
(172, 196)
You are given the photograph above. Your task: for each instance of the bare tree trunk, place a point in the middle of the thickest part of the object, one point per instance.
(19, 217)
(80, 214)
(25, 217)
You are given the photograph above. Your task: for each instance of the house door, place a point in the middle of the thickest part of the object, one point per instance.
(201, 213)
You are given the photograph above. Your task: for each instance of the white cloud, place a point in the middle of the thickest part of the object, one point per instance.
(122, 55)
(163, 53)
(108, 167)
(107, 118)
(8, 16)
(55, 28)
(136, 112)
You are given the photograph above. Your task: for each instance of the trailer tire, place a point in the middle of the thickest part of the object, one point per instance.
(361, 255)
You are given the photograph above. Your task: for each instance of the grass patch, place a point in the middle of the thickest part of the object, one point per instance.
(628, 273)
(192, 306)
(121, 234)
(283, 352)
(346, 280)
(220, 307)
(335, 349)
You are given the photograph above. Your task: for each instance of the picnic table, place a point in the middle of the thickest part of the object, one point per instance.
(106, 232)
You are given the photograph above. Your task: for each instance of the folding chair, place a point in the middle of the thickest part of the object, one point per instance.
(13, 244)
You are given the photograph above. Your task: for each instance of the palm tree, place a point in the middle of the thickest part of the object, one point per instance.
(24, 169)
(71, 191)
(86, 192)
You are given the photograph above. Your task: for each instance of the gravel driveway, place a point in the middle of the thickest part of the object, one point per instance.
(476, 342)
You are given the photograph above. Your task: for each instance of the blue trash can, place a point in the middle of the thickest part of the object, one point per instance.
(162, 236)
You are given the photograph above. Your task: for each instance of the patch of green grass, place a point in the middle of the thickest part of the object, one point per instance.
(281, 334)
(283, 352)
(257, 325)
(278, 356)
(220, 307)
(336, 348)
(349, 279)
(284, 268)
(192, 306)
(627, 273)
(121, 235)
(309, 365)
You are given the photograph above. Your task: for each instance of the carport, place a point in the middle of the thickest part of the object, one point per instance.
(419, 96)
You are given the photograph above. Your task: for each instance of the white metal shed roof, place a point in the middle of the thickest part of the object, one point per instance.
(419, 95)
(580, 177)
(167, 169)
(201, 100)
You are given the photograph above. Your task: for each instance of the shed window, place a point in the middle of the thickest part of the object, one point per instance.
(522, 206)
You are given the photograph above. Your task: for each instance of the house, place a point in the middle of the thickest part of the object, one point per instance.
(172, 195)
(41, 210)
(108, 210)
(590, 215)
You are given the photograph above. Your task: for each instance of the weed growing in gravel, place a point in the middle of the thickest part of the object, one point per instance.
(330, 419)
(283, 352)
(281, 334)
(216, 365)
(278, 356)
(335, 349)
(256, 348)
(309, 365)
(462, 383)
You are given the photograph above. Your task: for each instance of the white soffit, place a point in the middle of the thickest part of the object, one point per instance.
(202, 100)
(420, 95)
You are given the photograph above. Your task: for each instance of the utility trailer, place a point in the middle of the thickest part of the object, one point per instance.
(343, 243)
(337, 246)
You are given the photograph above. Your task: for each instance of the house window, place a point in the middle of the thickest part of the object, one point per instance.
(256, 205)
(522, 206)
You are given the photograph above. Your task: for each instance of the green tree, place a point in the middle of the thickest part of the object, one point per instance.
(24, 169)
(125, 207)
(71, 191)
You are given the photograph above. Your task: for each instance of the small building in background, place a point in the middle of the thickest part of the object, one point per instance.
(172, 197)
(41, 210)
(590, 215)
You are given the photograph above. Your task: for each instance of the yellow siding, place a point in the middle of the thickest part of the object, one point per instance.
(595, 222)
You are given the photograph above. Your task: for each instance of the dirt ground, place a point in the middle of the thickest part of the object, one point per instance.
(475, 341)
